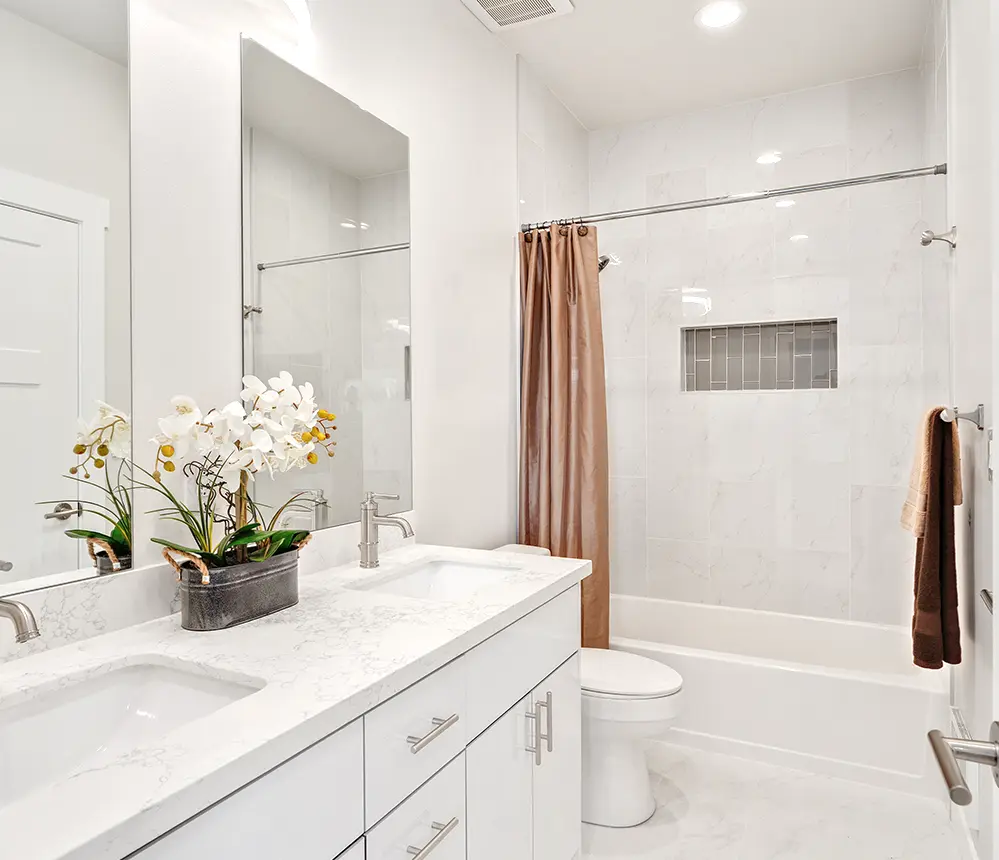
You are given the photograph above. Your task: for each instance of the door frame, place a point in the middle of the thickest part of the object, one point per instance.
(92, 215)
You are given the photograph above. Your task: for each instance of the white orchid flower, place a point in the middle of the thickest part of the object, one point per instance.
(282, 381)
(252, 388)
(230, 423)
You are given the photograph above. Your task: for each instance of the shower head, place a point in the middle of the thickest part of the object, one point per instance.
(603, 263)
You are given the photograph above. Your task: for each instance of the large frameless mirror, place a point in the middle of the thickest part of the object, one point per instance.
(65, 351)
(326, 281)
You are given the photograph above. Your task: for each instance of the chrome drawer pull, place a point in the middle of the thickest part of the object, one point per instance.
(442, 831)
(440, 726)
(535, 717)
(546, 736)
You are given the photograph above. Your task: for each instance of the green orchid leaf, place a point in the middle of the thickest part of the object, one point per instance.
(171, 545)
(86, 534)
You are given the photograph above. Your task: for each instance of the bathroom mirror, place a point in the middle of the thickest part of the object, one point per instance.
(326, 281)
(65, 288)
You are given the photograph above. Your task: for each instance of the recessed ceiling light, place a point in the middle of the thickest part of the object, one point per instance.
(785, 204)
(770, 157)
(799, 237)
(348, 225)
(721, 13)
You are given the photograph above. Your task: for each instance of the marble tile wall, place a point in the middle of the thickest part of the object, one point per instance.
(786, 502)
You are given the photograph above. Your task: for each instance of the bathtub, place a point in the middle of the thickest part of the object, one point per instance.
(832, 697)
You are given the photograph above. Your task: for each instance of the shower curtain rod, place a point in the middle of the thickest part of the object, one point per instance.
(936, 170)
(342, 255)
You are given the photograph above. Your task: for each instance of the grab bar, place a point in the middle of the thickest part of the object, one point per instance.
(949, 750)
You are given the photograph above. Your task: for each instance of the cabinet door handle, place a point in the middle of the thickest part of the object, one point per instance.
(535, 718)
(442, 831)
(547, 735)
(440, 726)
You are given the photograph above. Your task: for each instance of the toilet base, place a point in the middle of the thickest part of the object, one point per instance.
(617, 788)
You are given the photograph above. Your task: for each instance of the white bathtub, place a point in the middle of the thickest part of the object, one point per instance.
(831, 697)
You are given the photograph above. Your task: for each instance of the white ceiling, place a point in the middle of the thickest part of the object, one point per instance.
(619, 61)
(100, 26)
(318, 121)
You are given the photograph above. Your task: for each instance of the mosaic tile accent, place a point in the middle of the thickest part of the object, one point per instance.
(766, 357)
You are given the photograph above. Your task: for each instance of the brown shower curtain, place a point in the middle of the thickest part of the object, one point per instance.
(564, 483)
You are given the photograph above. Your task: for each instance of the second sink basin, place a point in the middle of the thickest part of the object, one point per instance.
(59, 732)
(448, 581)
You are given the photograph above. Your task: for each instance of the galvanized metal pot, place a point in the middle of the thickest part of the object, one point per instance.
(237, 594)
(105, 565)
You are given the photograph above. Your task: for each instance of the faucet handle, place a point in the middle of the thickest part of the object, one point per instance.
(383, 497)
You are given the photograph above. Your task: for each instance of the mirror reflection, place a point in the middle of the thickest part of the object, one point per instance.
(64, 287)
(326, 281)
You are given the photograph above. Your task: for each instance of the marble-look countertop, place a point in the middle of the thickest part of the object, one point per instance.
(322, 664)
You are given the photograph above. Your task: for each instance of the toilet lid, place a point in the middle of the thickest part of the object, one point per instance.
(624, 675)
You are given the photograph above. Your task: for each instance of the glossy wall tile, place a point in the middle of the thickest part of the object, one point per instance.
(775, 455)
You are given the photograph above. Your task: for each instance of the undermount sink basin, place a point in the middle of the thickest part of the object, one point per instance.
(63, 731)
(448, 581)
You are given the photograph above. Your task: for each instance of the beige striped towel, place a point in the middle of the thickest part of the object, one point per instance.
(917, 499)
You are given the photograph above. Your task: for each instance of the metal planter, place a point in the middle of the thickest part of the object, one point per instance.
(239, 593)
(105, 565)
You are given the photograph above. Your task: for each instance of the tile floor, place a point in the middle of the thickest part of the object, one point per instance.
(715, 807)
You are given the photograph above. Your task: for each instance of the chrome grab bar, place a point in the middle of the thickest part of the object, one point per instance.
(440, 726)
(949, 750)
(442, 831)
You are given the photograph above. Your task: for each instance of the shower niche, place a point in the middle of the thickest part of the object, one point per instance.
(775, 356)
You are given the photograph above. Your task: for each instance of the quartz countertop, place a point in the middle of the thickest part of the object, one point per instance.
(322, 664)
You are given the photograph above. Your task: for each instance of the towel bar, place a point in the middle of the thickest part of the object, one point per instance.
(977, 417)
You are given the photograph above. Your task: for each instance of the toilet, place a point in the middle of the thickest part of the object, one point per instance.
(627, 699)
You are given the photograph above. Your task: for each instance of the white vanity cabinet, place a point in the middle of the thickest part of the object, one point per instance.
(523, 774)
(479, 760)
(355, 852)
(309, 808)
(558, 778)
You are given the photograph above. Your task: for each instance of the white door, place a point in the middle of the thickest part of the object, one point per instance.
(39, 388)
(498, 782)
(558, 812)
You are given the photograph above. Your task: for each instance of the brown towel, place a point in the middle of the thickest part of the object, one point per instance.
(914, 509)
(936, 631)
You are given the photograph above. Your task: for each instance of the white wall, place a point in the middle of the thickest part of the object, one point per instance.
(787, 501)
(434, 73)
(65, 120)
(963, 37)
(553, 153)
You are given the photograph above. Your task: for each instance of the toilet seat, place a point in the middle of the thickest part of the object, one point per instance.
(620, 675)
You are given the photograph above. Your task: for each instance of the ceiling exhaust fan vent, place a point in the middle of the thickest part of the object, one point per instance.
(500, 15)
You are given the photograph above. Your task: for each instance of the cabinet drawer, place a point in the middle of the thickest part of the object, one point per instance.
(308, 808)
(431, 821)
(412, 736)
(506, 667)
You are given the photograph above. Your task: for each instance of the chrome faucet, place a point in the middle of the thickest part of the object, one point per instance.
(369, 527)
(25, 626)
